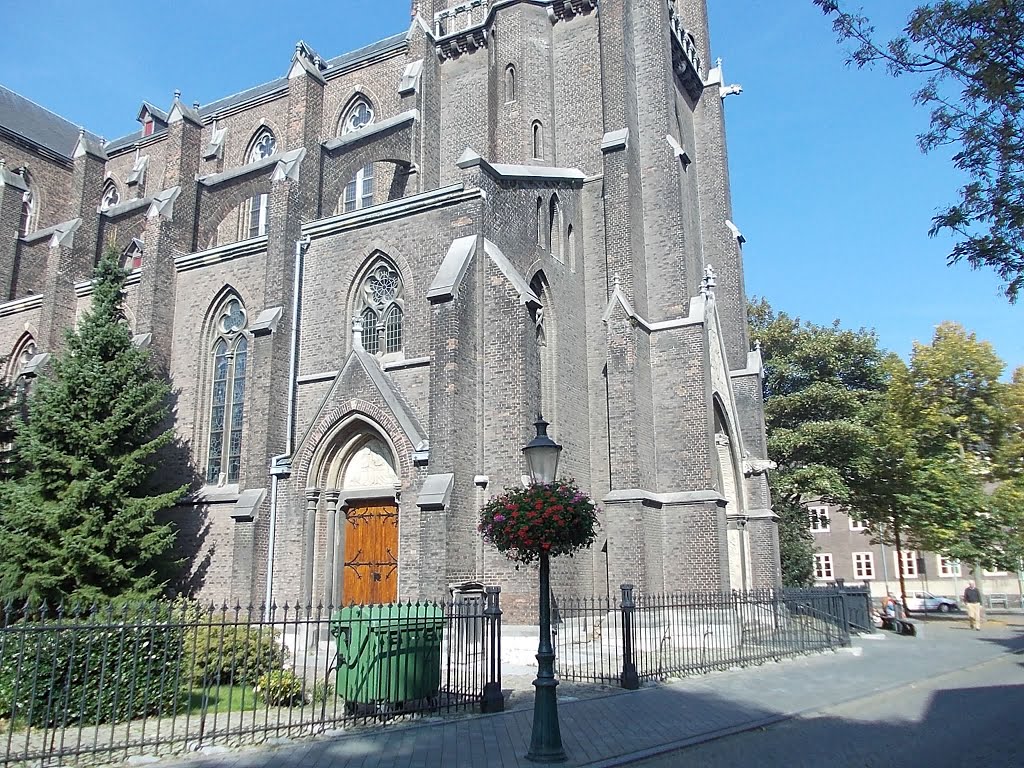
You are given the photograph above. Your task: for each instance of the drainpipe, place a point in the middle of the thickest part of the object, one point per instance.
(281, 465)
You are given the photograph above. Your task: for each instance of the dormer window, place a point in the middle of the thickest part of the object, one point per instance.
(148, 125)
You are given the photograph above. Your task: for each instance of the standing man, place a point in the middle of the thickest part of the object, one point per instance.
(972, 598)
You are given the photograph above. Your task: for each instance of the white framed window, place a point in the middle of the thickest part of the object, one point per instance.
(823, 565)
(819, 520)
(359, 114)
(230, 352)
(359, 190)
(986, 572)
(908, 564)
(858, 525)
(863, 565)
(948, 567)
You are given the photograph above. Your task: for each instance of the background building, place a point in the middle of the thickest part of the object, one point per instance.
(844, 550)
(367, 277)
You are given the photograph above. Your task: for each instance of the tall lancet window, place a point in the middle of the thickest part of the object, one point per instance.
(546, 345)
(254, 219)
(555, 228)
(382, 309)
(230, 353)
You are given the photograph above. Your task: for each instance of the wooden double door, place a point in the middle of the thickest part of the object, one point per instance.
(370, 566)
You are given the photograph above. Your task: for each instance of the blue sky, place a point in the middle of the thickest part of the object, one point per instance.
(829, 187)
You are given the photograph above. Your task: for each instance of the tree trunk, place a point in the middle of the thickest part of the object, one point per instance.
(899, 564)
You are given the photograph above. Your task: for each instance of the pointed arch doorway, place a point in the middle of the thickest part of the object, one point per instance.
(360, 558)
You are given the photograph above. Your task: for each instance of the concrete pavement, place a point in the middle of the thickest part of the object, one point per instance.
(624, 728)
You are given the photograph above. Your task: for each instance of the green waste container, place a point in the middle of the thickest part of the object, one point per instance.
(388, 655)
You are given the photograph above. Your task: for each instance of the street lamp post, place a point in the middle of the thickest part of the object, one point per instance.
(541, 455)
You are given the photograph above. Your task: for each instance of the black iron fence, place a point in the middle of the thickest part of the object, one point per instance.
(83, 685)
(652, 637)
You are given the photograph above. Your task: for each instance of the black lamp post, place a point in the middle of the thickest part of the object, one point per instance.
(546, 739)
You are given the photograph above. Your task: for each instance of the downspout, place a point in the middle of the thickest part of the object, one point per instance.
(281, 465)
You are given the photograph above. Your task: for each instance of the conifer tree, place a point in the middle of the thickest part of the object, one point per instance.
(82, 520)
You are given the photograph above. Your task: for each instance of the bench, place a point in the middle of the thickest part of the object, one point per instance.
(899, 626)
(998, 598)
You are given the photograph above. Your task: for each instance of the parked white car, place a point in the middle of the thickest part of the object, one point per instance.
(926, 601)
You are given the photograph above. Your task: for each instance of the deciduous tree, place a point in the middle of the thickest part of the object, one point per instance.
(968, 55)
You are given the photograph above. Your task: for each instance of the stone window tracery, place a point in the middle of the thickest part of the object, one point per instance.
(382, 310)
(358, 115)
(111, 196)
(230, 351)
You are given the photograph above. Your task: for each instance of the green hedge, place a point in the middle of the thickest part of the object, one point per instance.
(88, 672)
(231, 654)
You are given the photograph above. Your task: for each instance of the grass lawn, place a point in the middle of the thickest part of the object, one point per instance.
(222, 698)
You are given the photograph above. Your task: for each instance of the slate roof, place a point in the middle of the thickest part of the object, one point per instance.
(338, 62)
(37, 124)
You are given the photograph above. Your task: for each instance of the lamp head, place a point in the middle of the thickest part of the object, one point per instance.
(542, 454)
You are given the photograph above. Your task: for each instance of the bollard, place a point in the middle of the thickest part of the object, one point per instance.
(493, 700)
(629, 678)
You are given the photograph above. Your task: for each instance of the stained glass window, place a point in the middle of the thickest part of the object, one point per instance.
(227, 406)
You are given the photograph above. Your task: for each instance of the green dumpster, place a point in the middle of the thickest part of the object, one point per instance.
(388, 655)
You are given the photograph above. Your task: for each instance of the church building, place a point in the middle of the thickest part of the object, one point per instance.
(366, 278)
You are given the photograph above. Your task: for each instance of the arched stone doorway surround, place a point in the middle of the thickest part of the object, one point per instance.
(352, 521)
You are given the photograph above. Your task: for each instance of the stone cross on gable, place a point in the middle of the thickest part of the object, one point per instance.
(708, 282)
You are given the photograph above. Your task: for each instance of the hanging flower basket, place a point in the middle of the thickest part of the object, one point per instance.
(546, 518)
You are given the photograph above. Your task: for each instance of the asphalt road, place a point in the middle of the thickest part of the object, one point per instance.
(971, 717)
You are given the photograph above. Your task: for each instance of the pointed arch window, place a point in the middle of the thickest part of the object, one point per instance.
(555, 228)
(570, 244)
(383, 310)
(230, 353)
(538, 141)
(254, 215)
(358, 115)
(111, 196)
(540, 223)
(29, 209)
(510, 84)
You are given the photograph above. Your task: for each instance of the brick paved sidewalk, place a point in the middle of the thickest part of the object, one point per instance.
(617, 729)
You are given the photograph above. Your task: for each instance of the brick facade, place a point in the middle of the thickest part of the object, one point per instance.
(551, 189)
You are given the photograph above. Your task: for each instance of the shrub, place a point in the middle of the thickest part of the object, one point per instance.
(231, 654)
(88, 671)
(280, 688)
